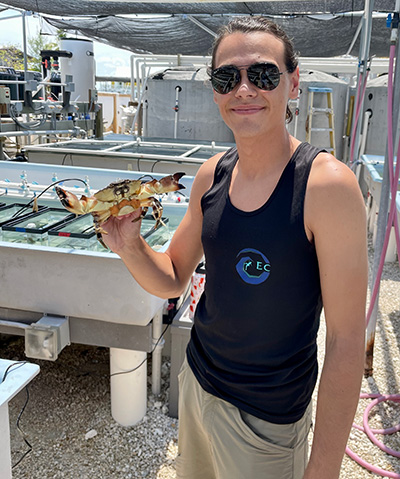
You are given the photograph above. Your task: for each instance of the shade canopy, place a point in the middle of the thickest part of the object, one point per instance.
(318, 28)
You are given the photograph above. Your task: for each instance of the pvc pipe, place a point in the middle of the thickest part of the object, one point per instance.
(139, 105)
(36, 132)
(367, 115)
(357, 126)
(143, 156)
(363, 74)
(148, 142)
(157, 353)
(178, 89)
(129, 390)
(383, 233)
(24, 44)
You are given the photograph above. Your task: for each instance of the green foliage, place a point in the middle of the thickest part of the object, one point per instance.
(35, 46)
(11, 56)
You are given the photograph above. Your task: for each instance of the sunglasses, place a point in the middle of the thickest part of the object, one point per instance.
(265, 76)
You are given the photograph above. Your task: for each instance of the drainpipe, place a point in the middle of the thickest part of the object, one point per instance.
(178, 89)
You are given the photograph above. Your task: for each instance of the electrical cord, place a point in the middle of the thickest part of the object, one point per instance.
(11, 368)
(22, 432)
(18, 213)
(145, 359)
(16, 364)
(26, 126)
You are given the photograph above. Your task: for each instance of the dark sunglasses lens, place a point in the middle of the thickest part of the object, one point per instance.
(265, 76)
(224, 80)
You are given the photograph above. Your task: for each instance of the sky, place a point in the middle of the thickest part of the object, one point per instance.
(109, 60)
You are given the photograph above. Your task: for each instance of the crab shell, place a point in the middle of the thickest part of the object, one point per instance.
(121, 198)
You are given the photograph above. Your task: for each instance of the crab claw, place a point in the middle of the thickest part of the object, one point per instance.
(73, 204)
(158, 187)
(171, 183)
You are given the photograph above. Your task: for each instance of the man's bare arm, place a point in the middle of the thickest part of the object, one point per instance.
(335, 214)
(163, 274)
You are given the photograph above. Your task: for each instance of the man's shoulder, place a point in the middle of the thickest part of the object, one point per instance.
(205, 175)
(327, 172)
(333, 200)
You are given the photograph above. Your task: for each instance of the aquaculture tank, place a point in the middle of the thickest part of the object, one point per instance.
(74, 291)
(179, 104)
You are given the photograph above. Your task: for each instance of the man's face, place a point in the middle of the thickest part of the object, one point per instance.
(248, 110)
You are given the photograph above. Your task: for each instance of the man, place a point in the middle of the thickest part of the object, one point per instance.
(282, 226)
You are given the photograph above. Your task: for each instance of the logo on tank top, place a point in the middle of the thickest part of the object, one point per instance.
(253, 267)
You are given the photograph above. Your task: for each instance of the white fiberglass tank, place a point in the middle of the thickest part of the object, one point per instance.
(81, 66)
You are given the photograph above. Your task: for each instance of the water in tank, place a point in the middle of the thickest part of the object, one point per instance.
(312, 78)
(179, 104)
(33, 229)
(81, 66)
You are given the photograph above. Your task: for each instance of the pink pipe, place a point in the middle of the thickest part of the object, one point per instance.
(378, 398)
(394, 178)
(369, 432)
(359, 101)
(353, 131)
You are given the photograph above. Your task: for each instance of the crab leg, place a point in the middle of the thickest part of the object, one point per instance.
(83, 205)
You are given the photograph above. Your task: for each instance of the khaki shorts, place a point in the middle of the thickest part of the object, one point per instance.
(219, 441)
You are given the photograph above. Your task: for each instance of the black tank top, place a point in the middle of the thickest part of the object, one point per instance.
(253, 342)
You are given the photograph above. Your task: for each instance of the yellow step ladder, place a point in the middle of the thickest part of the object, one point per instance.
(312, 111)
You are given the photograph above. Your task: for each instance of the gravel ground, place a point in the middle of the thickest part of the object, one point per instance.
(69, 425)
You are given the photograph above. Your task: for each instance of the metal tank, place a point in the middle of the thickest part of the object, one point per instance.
(81, 66)
(312, 78)
(179, 104)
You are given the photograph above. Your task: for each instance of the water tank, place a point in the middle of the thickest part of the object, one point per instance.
(375, 101)
(312, 78)
(81, 66)
(193, 116)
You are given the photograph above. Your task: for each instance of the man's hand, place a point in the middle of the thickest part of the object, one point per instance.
(122, 232)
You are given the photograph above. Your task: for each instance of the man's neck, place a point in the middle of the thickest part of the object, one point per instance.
(257, 156)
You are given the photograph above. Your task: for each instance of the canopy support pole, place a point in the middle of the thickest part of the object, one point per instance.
(362, 67)
(201, 25)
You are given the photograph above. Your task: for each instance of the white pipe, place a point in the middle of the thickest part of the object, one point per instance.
(121, 145)
(174, 159)
(24, 43)
(145, 118)
(201, 25)
(178, 89)
(364, 133)
(190, 152)
(23, 82)
(157, 353)
(212, 146)
(129, 389)
(36, 132)
(355, 36)
(139, 105)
